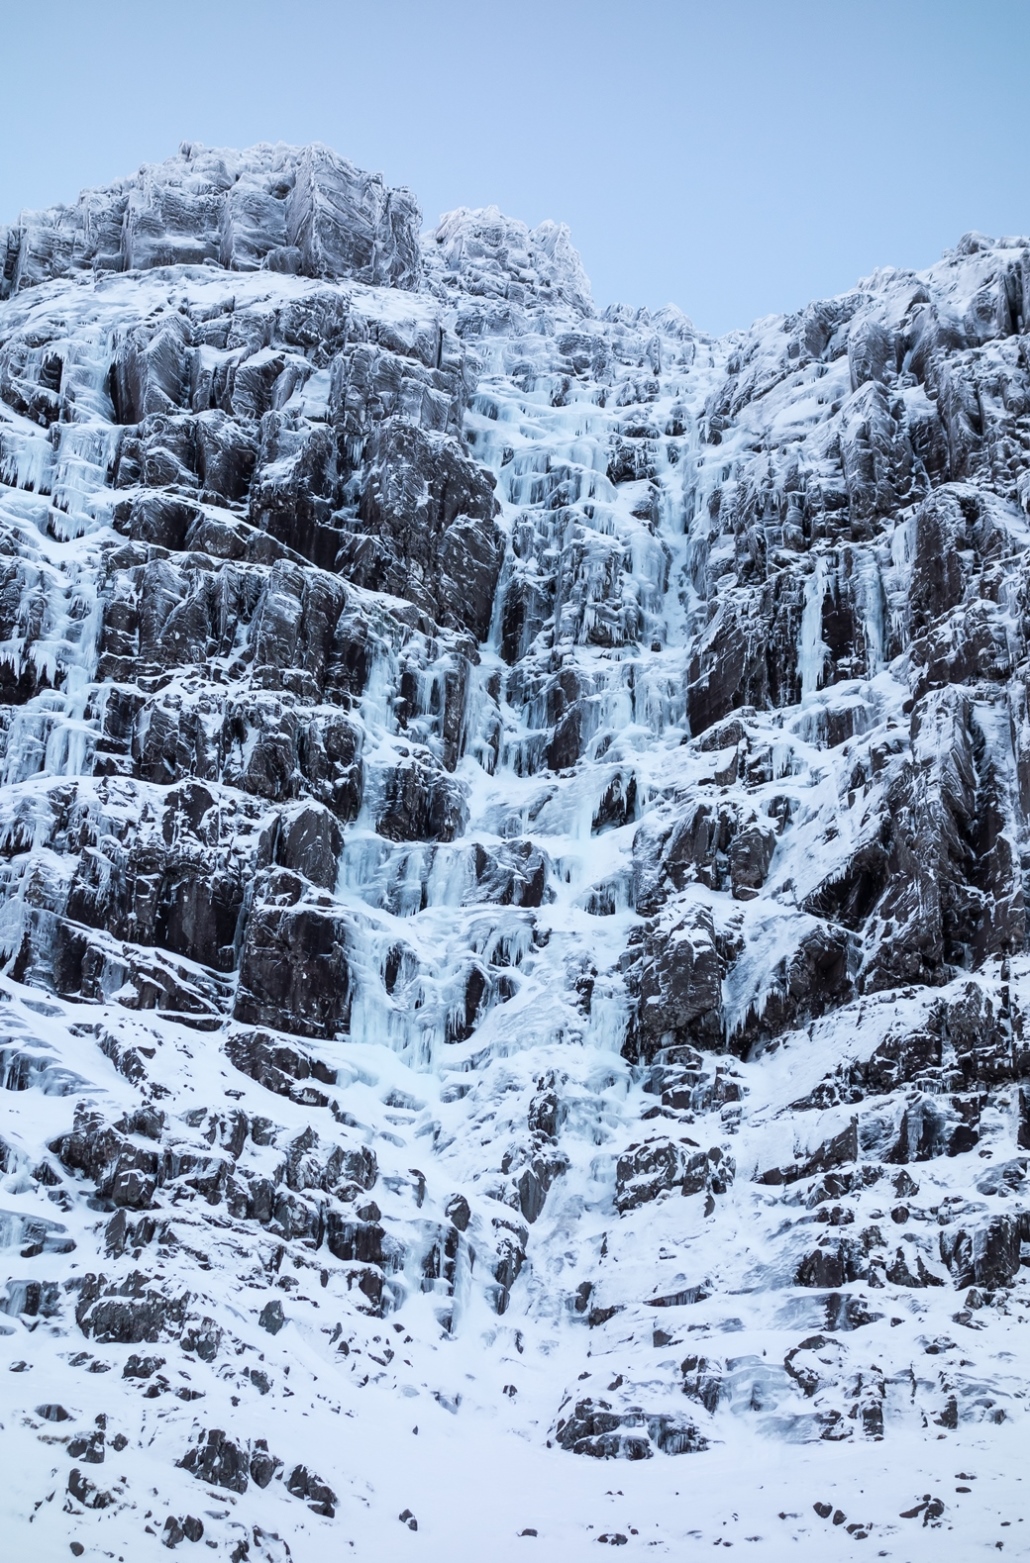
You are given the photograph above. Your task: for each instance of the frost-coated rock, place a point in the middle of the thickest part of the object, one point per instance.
(515, 826)
(285, 209)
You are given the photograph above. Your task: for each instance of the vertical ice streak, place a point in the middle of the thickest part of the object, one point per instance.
(812, 649)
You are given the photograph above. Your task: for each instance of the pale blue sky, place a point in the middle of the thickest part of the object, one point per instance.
(731, 156)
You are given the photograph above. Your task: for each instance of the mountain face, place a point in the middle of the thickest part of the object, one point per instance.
(514, 842)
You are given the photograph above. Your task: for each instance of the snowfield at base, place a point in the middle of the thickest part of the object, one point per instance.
(513, 857)
(475, 1491)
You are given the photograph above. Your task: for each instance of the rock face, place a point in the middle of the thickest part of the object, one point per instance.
(302, 211)
(498, 801)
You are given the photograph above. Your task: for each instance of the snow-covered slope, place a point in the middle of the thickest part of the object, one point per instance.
(514, 833)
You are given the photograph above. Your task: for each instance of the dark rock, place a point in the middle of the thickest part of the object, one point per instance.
(218, 1461)
(86, 1492)
(646, 1171)
(309, 842)
(514, 874)
(130, 1311)
(89, 1447)
(420, 804)
(458, 1212)
(816, 977)
(278, 1066)
(951, 526)
(678, 981)
(173, 1532)
(425, 529)
(988, 1256)
(833, 1264)
(910, 1270)
(293, 971)
(141, 1367)
(838, 1152)
(593, 1428)
(510, 1250)
(52, 1412)
(317, 1494)
(271, 1317)
(702, 1381)
(263, 1466)
(362, 1241)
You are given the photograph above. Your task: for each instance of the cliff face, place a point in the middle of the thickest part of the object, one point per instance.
(514, 832)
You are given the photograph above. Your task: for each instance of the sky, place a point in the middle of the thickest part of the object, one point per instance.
(734, 157)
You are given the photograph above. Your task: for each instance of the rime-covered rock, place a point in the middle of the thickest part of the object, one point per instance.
(301, 211)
